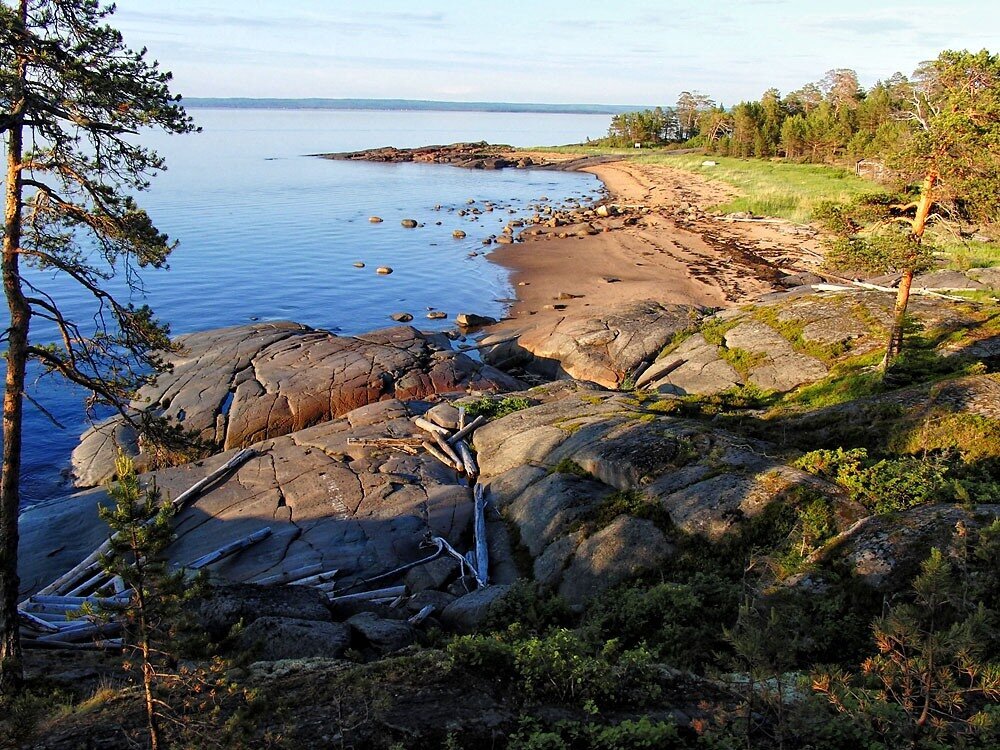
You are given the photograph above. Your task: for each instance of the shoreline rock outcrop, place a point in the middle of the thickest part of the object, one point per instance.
(236, 386)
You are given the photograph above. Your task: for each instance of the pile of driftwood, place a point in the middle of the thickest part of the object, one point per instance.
(449, 446)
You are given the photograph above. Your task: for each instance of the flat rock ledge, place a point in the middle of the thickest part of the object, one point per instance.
(328, 501)
(237, 386)
(795, 339)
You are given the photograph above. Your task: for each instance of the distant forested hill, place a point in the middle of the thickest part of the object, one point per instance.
(408, 104)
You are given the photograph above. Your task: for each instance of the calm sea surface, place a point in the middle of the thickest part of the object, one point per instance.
(270, 233)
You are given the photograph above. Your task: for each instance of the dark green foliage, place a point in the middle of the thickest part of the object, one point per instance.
(560, 667)
(669, 618)
(643, 734)
(890, 250)
(632, 503)
(886, 485)
(531, 608)
(931, 683)
(650, 127)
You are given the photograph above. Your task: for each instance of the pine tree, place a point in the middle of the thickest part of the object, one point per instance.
(73, 96)
(953, 148)
(141, 531)
(930, 680)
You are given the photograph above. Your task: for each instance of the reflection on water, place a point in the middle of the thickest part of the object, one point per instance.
(269, 233)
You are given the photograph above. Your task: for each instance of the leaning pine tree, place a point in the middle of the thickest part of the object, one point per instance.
(73, 97)
(953, 150)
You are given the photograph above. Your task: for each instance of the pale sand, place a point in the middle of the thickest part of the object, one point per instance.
(672, 255)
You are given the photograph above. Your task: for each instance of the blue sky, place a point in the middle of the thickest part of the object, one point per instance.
(620, 52)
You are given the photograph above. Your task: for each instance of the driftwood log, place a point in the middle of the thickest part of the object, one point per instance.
(91, 563)
(230, 549)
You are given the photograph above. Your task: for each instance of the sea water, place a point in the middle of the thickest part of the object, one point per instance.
(269, 232)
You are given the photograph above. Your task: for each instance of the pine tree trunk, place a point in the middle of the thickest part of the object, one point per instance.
(895, 344)
(11, 670)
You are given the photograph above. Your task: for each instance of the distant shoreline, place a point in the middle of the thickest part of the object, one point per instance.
(408, 105)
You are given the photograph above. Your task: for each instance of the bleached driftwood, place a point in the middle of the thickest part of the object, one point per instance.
(319, 579)
(436, 452)
(467, 430)
(91, 584)
(289, 575)
(229, 549)
(90, 630)
(462, 561)
(468, 460)
(439, 545)
(78, 600)
(389, 593)
(447, 450)
(461, 418)
(430, 427)
(91, 563)
(479, 535)
(386, 442)
(920, 291)
(110, 644)
(426, 611)
(192, 492)
(34, 622)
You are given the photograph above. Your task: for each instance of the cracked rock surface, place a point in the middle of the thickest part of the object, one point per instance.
(237, 386)
(359, 509)
(796, 338)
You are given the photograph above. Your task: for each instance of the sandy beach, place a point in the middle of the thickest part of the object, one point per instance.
(665, 247)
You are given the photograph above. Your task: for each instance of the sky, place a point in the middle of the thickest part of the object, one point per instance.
(605, 52)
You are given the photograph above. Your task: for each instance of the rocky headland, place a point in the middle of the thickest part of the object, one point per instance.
(693, 366)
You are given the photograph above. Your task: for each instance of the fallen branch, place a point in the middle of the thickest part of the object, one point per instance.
(479, 535)
(468, 460)
(90, 630)
(440, 546)
(426, 611)
(386, 442)
(439, 455)
(111, 644)
(888, 290)
(447, 450)
(389, 593)
(29, 620)
(467, 430)
(430, 427)
(229, 549)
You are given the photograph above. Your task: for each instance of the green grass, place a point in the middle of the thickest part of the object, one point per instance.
(770, 188)
(961, 255)
(766, 188)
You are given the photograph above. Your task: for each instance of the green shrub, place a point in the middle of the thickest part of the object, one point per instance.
(494, 408)
(669, 617)
(882, 486)
(560, 667)
(640, 734)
